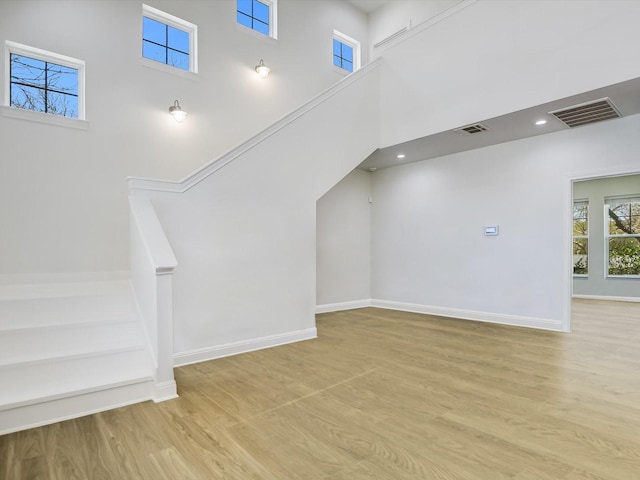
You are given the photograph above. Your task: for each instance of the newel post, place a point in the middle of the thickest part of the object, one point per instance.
(165, 384)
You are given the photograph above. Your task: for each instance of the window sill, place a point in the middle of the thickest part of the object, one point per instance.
(341, 71)
(41, 117)
(161, 67)
(256, 34)
(580, 275)
(627, 277)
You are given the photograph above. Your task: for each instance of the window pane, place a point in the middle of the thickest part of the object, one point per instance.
(154, 31)
(61, 104)
(27, 70)
(261, 27)
(580, 228)
(244, 6)
(336, 48)
(635, 217)
(154, 52)
(347, 65)
(261, 12)
(62, 79)
(178, 59)
(245, 20)
(337, 61)
(580, 256)
(178, 40)
(624, 219)
(347, 53)
(29, 98)
(624, 256)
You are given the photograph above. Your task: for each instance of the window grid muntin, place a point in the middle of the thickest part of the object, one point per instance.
(340, 57)
(166, 46)
(45, 88)
(633, 204)
(252, 18)
(179, 24)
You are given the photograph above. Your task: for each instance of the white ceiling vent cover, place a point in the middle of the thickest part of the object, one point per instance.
(586, 113)
(471, 129)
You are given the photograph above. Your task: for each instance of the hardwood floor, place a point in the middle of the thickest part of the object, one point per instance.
(380, 395)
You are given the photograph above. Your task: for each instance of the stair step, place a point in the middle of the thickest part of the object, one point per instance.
(60, 409)
(41, 312)
(30, 383)
(32, 345)
(68, 350)
(49, 290)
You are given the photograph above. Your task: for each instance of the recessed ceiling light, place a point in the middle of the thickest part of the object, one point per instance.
(541, 122)
(400, 156)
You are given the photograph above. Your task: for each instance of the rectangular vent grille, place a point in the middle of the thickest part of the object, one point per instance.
(586, 113)
(471, 129)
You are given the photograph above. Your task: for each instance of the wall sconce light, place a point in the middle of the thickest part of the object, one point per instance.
(176, 112)
(262, 69)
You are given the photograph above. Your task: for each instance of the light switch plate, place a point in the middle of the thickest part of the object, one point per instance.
(491, 230)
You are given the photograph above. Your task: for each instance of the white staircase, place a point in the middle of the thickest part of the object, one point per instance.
(68, 350)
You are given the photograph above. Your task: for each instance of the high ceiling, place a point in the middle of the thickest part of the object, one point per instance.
(513, 126)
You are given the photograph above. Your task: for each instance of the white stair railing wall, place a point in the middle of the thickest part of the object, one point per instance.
(152, 265)
(243, 226)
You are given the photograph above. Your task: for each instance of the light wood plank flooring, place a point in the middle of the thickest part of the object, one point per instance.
(380, 395)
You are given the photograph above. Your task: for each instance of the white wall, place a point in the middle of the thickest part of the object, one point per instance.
(343, 245)
(428, 246)
(596, 191)
(245, 236)
(400, 14)
(495, 57)
(62, 193)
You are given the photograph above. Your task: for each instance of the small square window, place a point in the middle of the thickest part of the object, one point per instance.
(169, 40)
(258, 15)
(346, 52)
(46, 82)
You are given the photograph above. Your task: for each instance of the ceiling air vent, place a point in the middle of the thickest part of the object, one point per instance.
(586, 113)
(470, 129)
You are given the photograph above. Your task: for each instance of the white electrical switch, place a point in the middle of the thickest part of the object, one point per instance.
(491, 230)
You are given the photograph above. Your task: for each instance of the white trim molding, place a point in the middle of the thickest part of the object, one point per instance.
(338, 307)
(164, 391)
(608, 298)
(136, 183)
(226, 350)
(499, 318)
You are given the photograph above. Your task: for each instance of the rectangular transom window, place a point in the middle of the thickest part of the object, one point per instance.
(623, 235)
(346, 52)
(46, 82)
(169, 40)
(258, 15)
(581, 237)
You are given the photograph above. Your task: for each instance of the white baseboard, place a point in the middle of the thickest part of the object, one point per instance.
(503, 319)
(58, 410)
(337, 307)
(609, 298)
(235, 348)
(165, 391)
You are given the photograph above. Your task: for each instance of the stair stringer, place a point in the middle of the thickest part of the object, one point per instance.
(243, 226)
